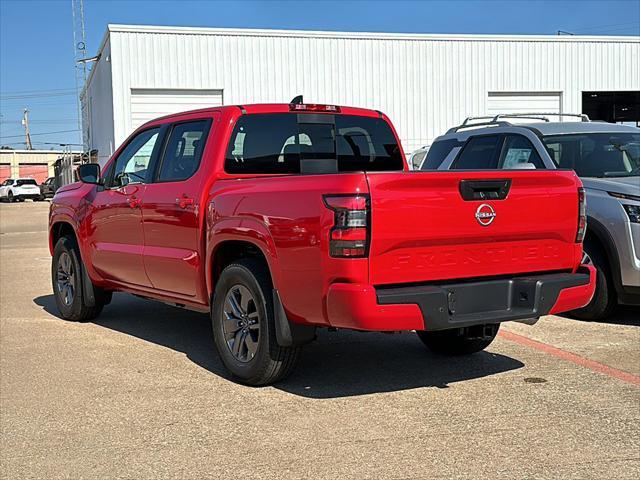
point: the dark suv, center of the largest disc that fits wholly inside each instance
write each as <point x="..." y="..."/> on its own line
<point x="48" y="188"/>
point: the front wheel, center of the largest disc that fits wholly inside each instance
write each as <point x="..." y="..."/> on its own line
<point x="10" y="197"/>
<point x="460" y="341"/>
<point x="242" y="315"/>
<point x="66" y="277"/>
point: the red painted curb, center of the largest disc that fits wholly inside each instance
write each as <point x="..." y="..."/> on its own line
<point x="572" y="357"/>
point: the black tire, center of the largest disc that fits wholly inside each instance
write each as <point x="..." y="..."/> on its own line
<point x="10" y="197"/>
<point x="73" y="308"/>
<point x="460" y="341"/>
<point x="269" y="362"/>
<point x="604" y="300"/>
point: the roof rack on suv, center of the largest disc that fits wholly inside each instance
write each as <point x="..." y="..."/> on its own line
<point x="498" y="119"/>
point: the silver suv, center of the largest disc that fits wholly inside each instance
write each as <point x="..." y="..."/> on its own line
<point x="605" y="156"/>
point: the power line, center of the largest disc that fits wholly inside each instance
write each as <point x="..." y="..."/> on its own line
<point x="44" y="133"/>
<point x="599" y="27"/>
<point x="44" y="90"/>
<point x="36" y="95"/>
<point x="52" y="121"/>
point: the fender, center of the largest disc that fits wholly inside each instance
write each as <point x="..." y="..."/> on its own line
<point x="241" y="229"/>
<point x="61" y="214"/>
<point x="66" y="214"/>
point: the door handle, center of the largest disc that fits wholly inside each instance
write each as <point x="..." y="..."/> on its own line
<point x="184" y="201"/>
<point x="133" y="201"/>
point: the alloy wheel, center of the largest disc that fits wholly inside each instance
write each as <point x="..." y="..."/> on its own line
<point x="65" y="276"/>
<point x="241" y="323"/>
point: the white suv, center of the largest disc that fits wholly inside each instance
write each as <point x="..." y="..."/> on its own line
<point x="18" y="189"/>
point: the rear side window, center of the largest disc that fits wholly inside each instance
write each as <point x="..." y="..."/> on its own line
<point x="278" y="143"/>
<point x="183" y="151"/>
<point x="479" y="153"/>
<point x="519" y="153"/>
<point x="438" y="152"/>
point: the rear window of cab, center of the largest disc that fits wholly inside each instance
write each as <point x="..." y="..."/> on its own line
<point x="289" y="143"/>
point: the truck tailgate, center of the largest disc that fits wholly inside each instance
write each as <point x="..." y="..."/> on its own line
<point x="423" y="230"/>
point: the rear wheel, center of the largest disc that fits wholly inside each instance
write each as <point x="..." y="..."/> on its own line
<point x="244" y="327"/>
<point x="604" y="299"/>
<point x="66" y="277"/>
<point x="460" y="341"/>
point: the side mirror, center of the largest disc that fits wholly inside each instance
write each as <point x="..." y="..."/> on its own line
<point x="89" y="173"/>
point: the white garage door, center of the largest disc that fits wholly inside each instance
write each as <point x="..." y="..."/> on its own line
<point x="147" y="104"/>
<point x="524" y="102"/>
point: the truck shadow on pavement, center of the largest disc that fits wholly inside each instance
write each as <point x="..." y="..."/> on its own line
<point x="623" y="315"/>
<point x="337" y="364"/>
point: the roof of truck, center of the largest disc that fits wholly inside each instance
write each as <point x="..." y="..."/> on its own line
<point x="277" y="108"/>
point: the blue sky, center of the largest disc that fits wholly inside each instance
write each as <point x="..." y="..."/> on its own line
<point x="36" y="43"/>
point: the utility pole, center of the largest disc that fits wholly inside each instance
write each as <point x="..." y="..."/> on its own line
<point x="25" y="124"/>
<point x="80" y="55"/>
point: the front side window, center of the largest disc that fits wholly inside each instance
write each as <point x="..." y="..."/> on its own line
<point x="7" y="183"/>
<point x="183" y="152"/>
<point x="519" y="153"/>
<point x="479" y="153"/>
<point x="596" y="154"/>
<point x="278" y="143"/>
<point x="132" y="165"/>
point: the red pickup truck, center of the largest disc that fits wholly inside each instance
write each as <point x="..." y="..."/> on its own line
<point x="279" y="219"/>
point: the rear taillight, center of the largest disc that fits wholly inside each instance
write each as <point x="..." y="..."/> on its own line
<point x="349" y="236"/>
<point x="582" y="215"/>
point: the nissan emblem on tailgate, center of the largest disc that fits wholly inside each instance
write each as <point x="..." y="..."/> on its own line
<point x="485" y="214"/>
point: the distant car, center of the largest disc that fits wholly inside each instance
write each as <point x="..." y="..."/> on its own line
<point x="48" y="188"/>
<point x="417" y="157"/>
<point x="605" y="156"/>
<point x="18" y="189"/>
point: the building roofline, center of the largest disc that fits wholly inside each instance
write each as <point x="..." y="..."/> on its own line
<point x="363" y="35"/>
<point x="252" y="32"/>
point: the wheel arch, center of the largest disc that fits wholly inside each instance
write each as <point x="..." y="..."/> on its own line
<point x="58" y="229"/>
<point x="229" y="250"/>
<point x="598" y="235"/>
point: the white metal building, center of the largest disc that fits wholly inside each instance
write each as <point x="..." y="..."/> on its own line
<point x="425" y="83"/>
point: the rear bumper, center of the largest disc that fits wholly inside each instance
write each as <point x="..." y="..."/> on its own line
<point x="440" y="307"/>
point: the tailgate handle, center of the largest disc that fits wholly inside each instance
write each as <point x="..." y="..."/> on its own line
<point x="484" y="189"/>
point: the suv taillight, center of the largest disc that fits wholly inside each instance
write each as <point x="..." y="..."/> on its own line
<point x="582" y="215"/>
<point x="349" y="236"/>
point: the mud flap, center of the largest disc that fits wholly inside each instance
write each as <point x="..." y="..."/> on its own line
<point x="88" y="292"/>
<point x="289" y="334"/>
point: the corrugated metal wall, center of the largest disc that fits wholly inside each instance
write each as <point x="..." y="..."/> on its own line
<point x="426" y="84"/>
<point x="98" y="121"/>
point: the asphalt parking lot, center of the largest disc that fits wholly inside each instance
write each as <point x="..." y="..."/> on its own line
<point x="140" y="393"/>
